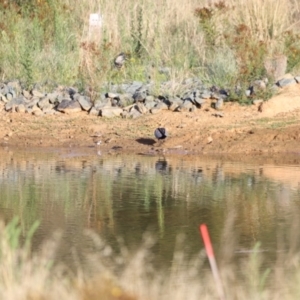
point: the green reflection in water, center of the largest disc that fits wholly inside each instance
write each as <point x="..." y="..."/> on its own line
<point x="124" y="196"/>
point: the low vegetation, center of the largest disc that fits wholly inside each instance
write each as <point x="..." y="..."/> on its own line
<point x="27" y="274"/>
<point x="226" y="43"/>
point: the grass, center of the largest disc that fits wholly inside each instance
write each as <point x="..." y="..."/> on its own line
<point x="132" y="275"/>
<point x="222" y="43"/>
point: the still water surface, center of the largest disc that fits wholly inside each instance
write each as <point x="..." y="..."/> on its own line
<point x="126" y="196"/>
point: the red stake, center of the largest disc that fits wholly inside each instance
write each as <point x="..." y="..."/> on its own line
<point x="212" y="260"/>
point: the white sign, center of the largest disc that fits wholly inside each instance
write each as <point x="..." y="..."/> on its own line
<point x="95" y="20"/>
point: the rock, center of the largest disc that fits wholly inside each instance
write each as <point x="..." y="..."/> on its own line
<point x="14" y="103"/>
<point x="15" y="86"/>
<point x="200" y="101"/>
<point x="159" y="107"/>
<point x="125" y="99"/>
<point x="134" y="113"/>
<point x="286" y="81"/>
<point x="102" y="104"/>
<point x="37" y="93"/>
<point x="141" y="108"/>
<point x="110" y="112"/>
<point x="94" y="112"/>
<point x="53" y="97"/>
<point x="187" y="105"/>
<point x="3" y="98"/>
<point x="21" y="108"/>
<point x="150" y="104"/>
<point x="131" y="89"/>
<point x="26" y="94"/>
<point x="205" y="94"/>
<point x="68" y="107"/>
<point x="149" y="98"/>
<point x="140" y="95"/>
<point x="112" y="95"/>
<point x="297" y="78"/>
<point x="44" y="104"/>
<point x="219" y="104"/>
<point x="85" y="103"/>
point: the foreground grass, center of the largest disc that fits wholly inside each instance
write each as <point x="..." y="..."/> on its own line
<point x="224" y="43"/>
<point x="130" y="276"/>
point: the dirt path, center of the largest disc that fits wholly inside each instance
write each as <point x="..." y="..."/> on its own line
<point x="243" y="130"/>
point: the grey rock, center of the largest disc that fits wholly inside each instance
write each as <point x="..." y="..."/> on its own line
<point x="37" y="93"/>
<point x="44" y="104"/>
<point x="53" y="97"/>
<point x="206" y="94"/>
<point x="200" y="101"/>
<point x="9" y="96"/>
<point x="125" y="99"/>
<point x="110" y="112"/>
<point x="60" y="97"/>
<point x="219" y="104"/>
<point x="141" y="108"/>
<point x="134" y="113"/>
<point x="159" y="107"/>
<point x="15" y="86"/>
<point x="3" y="98"/>
<point x="150" y="104"/>
<point x="94" y="112"/>
<point x="149" y="98"/>
<point x="185" y="106"/>
<point x="85" y="103"/>
<point x="102" y="104"/>
<point x="14" y="103"/>
<point x="175" y="103"/>
<point x="285" y="82"/>
<point x="297" y="78"/>
<point x="131" y="89"/>
<point x="3" y="89"/>
<point x="140" y="95"/>
<point x="26" y="94"/>
<point x="68" y="107"/>
<point x="21" y="108"/>
<point x="112" y="95"/>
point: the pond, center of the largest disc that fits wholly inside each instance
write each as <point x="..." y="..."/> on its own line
<point x="122" y="197"/>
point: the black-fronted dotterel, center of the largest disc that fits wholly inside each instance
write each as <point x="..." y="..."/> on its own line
<point x="160" y="133"/>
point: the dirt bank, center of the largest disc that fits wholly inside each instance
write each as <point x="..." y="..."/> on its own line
<point x="242" y="129"/>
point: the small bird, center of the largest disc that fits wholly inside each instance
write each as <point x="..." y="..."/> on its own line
<point x="120" y="60"/>
<point x="160" y="133"/>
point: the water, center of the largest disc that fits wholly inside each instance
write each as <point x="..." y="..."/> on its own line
<point x="125" y="196"/>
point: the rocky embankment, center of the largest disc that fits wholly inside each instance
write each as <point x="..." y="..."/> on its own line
<point x="130" y="100"/>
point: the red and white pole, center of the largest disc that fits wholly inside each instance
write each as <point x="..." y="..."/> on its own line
<point x="212" y="261"/>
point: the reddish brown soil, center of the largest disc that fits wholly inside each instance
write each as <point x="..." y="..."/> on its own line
<point x="242" y="130"/>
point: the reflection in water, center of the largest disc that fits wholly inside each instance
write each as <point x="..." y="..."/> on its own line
<point x="121" y="196"/>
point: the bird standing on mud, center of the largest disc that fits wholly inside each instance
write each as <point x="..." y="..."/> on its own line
<point x="160" y="133"/>
<point x="120" y="60"/>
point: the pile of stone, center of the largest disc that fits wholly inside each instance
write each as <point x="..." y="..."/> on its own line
<point x="130" y="100"/>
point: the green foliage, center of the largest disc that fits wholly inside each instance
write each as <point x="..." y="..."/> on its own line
<point x="13" y="234"/>
<point x="292" y="49"/>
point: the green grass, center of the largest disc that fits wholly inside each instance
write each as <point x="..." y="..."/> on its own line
<point x="49" y="41"/>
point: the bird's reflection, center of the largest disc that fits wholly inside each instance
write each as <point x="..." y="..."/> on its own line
<point x="161" y="166"/>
